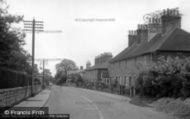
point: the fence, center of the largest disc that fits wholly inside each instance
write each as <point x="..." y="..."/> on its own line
<point x="10" y="78"/>
<point x="15" y="86"/>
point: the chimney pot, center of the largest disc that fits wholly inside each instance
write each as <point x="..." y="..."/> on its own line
<point x="170" y="20"/>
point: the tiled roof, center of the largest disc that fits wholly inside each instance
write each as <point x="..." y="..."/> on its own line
<point x="176" y="40"/>
<point x="99" y="66"/>
<point x="74" y="71"/>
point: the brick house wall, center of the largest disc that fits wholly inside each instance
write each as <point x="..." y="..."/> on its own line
<point x="125" y="69"/>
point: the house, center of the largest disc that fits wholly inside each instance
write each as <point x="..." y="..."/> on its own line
<point x="162" y="36"/>
<point x="99" y="72"/>
<point x="75" y="72"/>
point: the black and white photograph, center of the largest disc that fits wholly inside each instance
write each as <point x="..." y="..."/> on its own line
<point x="95" y="59"/>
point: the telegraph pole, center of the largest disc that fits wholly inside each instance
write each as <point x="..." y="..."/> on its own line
<point x="33" y="54"/>
<point x="43" y="62"/>
<point x="33" y="26"/>
<point x="36" y="27"/>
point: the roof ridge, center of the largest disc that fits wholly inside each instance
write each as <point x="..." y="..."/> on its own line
<point x="157" y="43"/>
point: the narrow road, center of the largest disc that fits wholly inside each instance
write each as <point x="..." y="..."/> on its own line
<point x="88" y="104"/>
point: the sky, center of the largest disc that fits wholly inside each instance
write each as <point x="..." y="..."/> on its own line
<point x="89" y="27"/>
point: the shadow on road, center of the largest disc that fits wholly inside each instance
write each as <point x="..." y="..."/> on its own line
<point x="140" y="102"/>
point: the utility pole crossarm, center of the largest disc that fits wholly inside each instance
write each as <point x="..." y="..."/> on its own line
<point x="44" y="63"/>
<point x="36" y="27"/>
<point x="39" y="26"/>
<point x="33" y="26"/>
<point x="49" y="59"/>
<point x="52" y="31"/>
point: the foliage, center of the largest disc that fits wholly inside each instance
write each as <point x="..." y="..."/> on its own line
<point x="12" y="54"/>
<point x="166" y="78"/>
<point x="13" y="58"/>
<point x="76" y="79"/>
<point x="62" y="80"/>
<point x="47" y="76"/>
<point x="63" y="68"/>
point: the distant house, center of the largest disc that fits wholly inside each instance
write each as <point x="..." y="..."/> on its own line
<point x="160" y="37"/>
<point x="99" y="72"/>
<point x="76" y="71"/>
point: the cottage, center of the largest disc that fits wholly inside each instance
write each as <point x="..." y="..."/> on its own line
<point x="99" y="72"/>
<point x="162" y="36"/>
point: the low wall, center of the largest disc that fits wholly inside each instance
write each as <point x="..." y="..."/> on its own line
<point x="11" y="96"/>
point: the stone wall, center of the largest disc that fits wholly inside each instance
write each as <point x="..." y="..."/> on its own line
<point x="11" y="96"/>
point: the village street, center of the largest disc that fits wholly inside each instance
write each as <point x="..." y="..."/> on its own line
<point x="88" y="104"/>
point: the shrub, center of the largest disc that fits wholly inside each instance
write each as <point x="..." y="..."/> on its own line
<point x="166" y="78"/>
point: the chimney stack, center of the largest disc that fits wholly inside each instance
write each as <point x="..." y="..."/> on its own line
<point x="102" y="58"/>
<point x="142" y="33"/>
<point x="154" y="27"/>
<point x="132" y="37"/>
<point x="171" y="19"/>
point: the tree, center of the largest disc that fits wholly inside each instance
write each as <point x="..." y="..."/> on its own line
<point x="47" y="76"/>
<point x="76" y="79"/>
<point x="14" y="65"/>
<point x="47" y="73"/>
<point x="12" y="54"/>
<point x="62" y="69"/>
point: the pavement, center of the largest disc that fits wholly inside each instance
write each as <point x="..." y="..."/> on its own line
<point x="38" y="100"/>
<point x="88" y="104"/>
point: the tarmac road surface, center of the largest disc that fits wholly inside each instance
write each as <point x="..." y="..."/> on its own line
<point x="88" y="104"/>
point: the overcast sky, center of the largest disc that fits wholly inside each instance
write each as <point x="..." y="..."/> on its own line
<point x="83" y="40"/>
